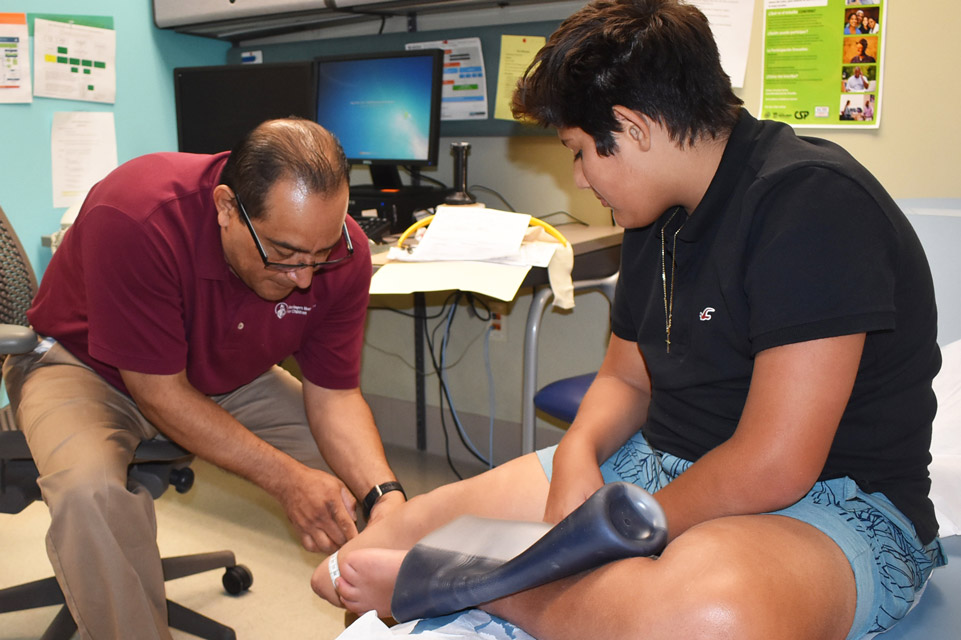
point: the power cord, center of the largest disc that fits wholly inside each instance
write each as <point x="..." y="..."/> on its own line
<point x="564" y="213"/>
<point x="439" y="361"/>
<point x="422" y="176"/>
<point x="478" y="187"/>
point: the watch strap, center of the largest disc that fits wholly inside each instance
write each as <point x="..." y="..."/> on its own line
<point x="374" y="494"/>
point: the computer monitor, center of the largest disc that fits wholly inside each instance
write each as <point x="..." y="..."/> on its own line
<point x="384" y="108"/>
<point x="218" y="105"/>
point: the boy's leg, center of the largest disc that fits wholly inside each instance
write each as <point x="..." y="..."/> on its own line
<point x="808" y="571"/>
<point x="742" y="577"/>
<point x="516" y="490"/>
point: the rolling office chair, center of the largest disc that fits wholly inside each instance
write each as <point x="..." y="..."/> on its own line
<point x="559" y="399"/>
<point x="157" y="464"/>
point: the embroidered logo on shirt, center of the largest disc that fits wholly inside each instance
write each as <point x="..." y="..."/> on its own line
<point x="282" y="309"/>
<point x="706" y="314"/>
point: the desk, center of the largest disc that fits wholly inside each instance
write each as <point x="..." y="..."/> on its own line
<point x="597" y="254"/>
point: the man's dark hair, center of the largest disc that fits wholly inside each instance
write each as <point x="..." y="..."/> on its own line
<point x="656" y="57"/>
<point x="289" y="148"/>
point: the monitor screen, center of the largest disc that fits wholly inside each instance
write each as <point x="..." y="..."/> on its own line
<point x="384" y="108"/>
<point x="216" y="106"/>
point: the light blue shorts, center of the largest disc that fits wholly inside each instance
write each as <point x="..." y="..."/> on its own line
<point x="890" y="564"/>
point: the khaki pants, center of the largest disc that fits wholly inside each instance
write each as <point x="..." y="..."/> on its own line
<point x="82" y="434"/>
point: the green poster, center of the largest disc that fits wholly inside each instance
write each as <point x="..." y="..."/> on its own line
<point x="823" y="62"/>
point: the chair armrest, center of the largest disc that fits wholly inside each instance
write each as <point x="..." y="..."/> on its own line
<point x="15" y="339"/>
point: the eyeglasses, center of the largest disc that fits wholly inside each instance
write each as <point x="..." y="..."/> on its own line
<point x="288" y="266"/>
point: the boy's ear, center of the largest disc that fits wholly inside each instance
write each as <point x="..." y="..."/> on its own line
<point x="635" y="126"/>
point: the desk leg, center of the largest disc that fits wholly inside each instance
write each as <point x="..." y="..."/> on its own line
<point x="529" y="385"/>
<point x="420" y="330"/>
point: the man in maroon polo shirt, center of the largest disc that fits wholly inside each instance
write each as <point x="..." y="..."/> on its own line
<point x="184" y="281"/>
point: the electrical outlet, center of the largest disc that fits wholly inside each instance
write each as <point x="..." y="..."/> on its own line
<point x="498" y="321"/>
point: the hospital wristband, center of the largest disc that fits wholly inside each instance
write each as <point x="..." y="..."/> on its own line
<point x="333" y="568"/>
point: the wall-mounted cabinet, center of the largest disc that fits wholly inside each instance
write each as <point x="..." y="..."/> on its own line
<point x="237" y="20"/>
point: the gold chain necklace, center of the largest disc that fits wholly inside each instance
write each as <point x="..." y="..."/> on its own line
<point x="669" y="298"/>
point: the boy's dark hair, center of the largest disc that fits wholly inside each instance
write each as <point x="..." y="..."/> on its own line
<point x="656" y="57"/>
<point x="286" y="148"/>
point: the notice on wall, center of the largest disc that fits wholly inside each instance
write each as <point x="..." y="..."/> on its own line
<point x="823" y="62"/>
<point x="517" y="53"/>
<point x="14" y="58"/>
<point x="731" y="25"/>
<point x="74" y="61"/>
<point x="83" y="149"/>
<point x="464" y="94"/>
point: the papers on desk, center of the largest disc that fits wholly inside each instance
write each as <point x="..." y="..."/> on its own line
<point x="468" y="249"/>
<point x="469" y="233"/>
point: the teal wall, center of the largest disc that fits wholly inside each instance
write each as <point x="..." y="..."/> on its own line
<point x="144" y="114"/>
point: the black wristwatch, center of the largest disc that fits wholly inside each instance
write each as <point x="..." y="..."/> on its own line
<point x="374" y="495"/>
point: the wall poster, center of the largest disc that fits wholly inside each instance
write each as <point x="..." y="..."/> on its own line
<point x="823" y="62"/>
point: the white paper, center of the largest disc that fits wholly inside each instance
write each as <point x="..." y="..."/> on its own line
<point x="14" y="61"/>
<point x="464" y="94"/>
<point x="471" y="233"/>
<point x="731" y="24"/>
<point x="83" y="149"/>
<point x="499" y="281"/>
<point x="74" y="62"/>
<point x="534" y="254"/>
<point x="530" y="254"/>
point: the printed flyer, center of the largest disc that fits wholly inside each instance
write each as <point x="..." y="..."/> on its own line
<point x="823" y="62"/>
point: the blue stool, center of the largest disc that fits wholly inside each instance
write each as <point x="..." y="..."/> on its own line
<point x="561" y="399"/>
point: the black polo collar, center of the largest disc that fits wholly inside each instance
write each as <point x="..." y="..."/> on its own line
<point x="729" y="172"/>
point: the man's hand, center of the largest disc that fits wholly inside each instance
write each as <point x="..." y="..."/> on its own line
<point x="321" y="509"/>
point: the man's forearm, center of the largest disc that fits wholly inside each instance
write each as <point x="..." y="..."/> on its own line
<point x="344" y="429"/>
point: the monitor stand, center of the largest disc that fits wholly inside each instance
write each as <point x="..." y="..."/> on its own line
<point x="387" y="197"/>
<point x="385" y="176"/>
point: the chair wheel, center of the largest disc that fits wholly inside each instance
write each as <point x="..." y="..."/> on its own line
<point x="182" y="479"/>
<point x="237" y="579"/>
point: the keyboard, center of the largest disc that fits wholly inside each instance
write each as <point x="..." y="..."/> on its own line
<point x="374" y="228"/>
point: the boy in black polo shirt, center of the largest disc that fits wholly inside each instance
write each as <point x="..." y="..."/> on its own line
<point x="769" y="376"/>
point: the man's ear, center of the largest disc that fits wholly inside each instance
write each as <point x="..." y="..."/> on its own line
<point x="224" y="202"/>
<point x="635" y="126"/>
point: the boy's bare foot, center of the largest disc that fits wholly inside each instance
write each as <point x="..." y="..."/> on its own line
<point x="323" y="585"/>
<point x="366" y="580"/>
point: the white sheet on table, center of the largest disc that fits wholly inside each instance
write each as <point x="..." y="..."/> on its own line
<point x="946" y="443"/>
<point x="472" y="624"/>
